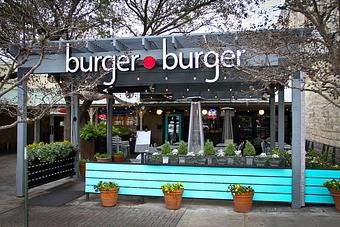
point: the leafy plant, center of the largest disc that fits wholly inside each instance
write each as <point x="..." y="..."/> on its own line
<point x="83" y="161"/>
<point x="99" y="155"/>
<point x="249" y="149"/>
<point x="88" y="132"/>
<point x="332" y="184"/>
<point x="119" y="153"/>
<point x="209" y="148"/>
<point x="230" y="150"/>
<point x="50" y="152"/>
<point x="316" y="160"/>
<point x="119" y="130"/>
<point x="105" y="186"/>
<point x="101" y="130"/>
<point x="165" y="149"/>
<point x="183" y="148"/>
<point x="167" y="188"/>
<point x="238" y="189"/>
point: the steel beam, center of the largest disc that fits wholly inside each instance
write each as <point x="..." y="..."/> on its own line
<point x="21" y="134"/>
<point x="281" y="110"/>
<point x="298" y="142"/>
<point x="109" y="111"/>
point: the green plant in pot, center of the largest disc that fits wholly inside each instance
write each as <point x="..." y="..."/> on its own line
<point x="230" y="154"/>
<point x="182" y="152"/>
<point x="82" y="165"/>
<point x="166" y="152"/>
<point x="261" y="160"/>
<point x="249" y="152"/>
<point x="173" y="195"/>
<point x="209" y="151"/>
<point x="275" y="158"/>
<point x="118" y="156"/>
<point x="108" y="193"/>
<point x="103" y="157"/>
<point x="334" y="188"/>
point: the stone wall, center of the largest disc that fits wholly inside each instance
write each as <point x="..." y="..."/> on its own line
<point x="322" y="120"/>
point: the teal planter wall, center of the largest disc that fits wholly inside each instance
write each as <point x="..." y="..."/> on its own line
<point x="315" y="191"/>
<point x="199" y="182"/>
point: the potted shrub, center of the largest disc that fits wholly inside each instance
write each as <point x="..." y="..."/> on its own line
<point x="243" y="197"/>
<point x="261" y="160"/>
<point x="82" y="164"/>
<point x="103" y="157"/>
<point x="166" y="152"/>
<point x="173" y="195"/>
<point x="334" y="188"/>
<point x="155" y="158"/>
<point x="182" y="152"/>
<point x="199" y="158"/>
<point x="173" y="157"/>
<point x="108" y="193"/>
<point x="118" y="156"/>
<point x="209" y="151"/>
<point x="249" y="152"/>
<point x="220" y="157"/>
<point x="229" y="152"/>
<point x="87" y="143"/>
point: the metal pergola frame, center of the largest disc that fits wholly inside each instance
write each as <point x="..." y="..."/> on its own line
<point x="54" y="63"/>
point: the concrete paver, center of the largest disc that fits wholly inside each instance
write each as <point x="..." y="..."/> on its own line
<point x="132" y="211"/>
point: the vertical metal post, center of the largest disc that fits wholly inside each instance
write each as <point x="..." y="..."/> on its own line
<point x="298" y="142"/>
<point x="51" y="128"/>
<point x="281" y="128"/>
<point x="37" y="131"/>
<point x="21" y="167"/>
<point x="75" y="130"/>
<point x="109" y="111"/>
<point x="21" y="134"/>
<point x="272" y="119"/>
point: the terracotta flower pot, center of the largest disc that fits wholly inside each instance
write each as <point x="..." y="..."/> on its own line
<point x="243" y="203"/>
<point x="82" y="170"/>
<point x="118" y="158"/>
<point x="336" y="198"/>
<point x="104" y="159"/>
<point x="109" y="198"/>
<point x="173" y="200"/>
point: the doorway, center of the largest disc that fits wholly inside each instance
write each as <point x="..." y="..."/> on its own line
<point x="173" y="127"/>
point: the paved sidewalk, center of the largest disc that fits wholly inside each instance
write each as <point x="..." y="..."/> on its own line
<point x="132" y="212"/>
<point x="56" y="206"/>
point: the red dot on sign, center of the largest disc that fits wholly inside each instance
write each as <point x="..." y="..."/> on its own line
<point x="149" y="62"/>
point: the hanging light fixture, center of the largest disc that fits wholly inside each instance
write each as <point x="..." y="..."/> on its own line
<point x="204" y="112"/>
<point x="261" y="112"/>
<point x="159" y="112"/>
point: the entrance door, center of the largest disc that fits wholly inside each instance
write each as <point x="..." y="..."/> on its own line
<point x="173" y="127"/>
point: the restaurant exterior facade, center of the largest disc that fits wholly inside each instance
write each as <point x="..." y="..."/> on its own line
<point x="172" y="64"/>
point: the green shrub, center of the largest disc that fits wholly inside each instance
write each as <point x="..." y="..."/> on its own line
<point x="249" y="149"/>
<point x="105" y="186"/>
<point x="88" y="132"/>
<point x="101" y="130"/>
<point x="49" y="152"/>
<point x="104" y="155"/>
<point x="209" y="148"/>
<point x="230" y="150"/>
<point x="166" y="150"/>
<point x="119" y="130"/>
<point x="183" y="148"/>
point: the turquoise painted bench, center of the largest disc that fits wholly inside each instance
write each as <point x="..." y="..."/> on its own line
<point x="315" y="192"/>
<point x="199" y="182"/>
